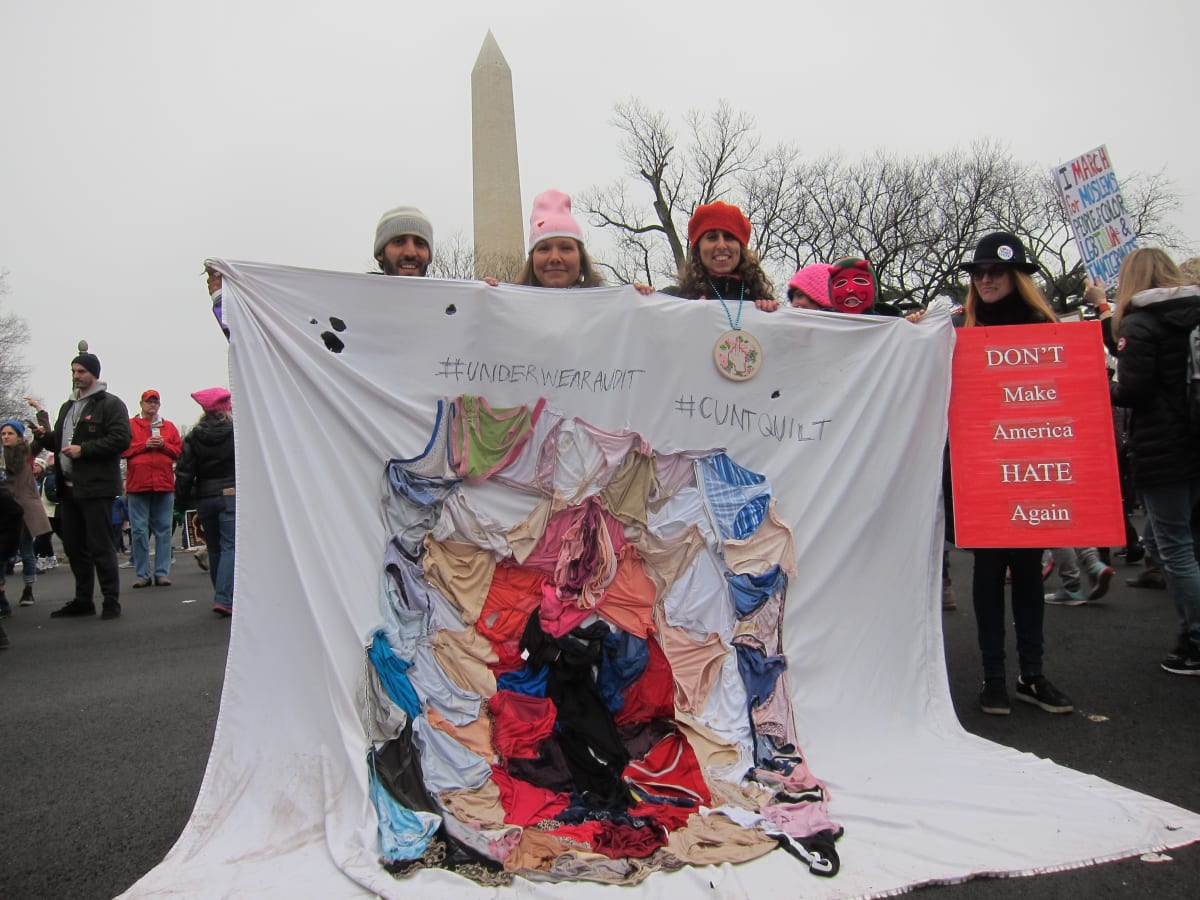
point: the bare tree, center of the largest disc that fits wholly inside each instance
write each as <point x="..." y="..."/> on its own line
<point x="455" y="258"/>
<point x="916" y="218"/>
<point x="1152" y="199"/>
<point x="14" y="335"/>
<point x="722" y="149"/>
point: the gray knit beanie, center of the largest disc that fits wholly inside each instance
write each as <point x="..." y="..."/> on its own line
<point x="401" y="221"/>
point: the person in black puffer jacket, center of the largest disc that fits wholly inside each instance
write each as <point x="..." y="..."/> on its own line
<point x="205" y="476"/>
<point x="1157" y="309"/>
<point x="1003" y="293"/>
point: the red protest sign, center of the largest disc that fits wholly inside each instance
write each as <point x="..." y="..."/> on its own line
<point x="1032" y="451"/>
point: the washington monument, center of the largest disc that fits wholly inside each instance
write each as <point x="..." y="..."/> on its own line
<point x="497" y="182"/>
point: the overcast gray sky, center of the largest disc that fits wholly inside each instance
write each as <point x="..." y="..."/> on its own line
<point x="141" y="136"/>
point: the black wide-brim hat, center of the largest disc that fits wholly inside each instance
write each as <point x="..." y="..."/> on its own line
<point x="1001" y="248"/>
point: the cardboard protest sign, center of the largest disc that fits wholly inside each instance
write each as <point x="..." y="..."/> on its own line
<point x="1031" y="439"/>
<point x="1104" y="231"/>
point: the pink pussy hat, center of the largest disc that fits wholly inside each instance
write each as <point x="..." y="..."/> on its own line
<point x="214" y="400"/>
<point x="814" y="281"/>
<point x="551" y="217"/>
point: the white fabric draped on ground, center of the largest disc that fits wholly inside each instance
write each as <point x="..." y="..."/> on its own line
<point x="847" y="420"/>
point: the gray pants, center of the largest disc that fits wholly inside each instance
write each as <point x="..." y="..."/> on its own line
<point x="1071" y="561"/>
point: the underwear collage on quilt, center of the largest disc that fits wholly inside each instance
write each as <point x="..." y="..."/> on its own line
<point x="579" y="672"/>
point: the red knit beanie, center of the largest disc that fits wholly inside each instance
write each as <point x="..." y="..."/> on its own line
<point x="718" y="216"/>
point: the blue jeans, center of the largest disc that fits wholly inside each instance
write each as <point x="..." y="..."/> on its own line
<point x="217" y="516"/>
<point x="1171" y="508"/>
<point x="150" y="513"/>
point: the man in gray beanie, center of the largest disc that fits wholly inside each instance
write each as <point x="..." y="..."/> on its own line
<point x="88" y="439"/>
<point x="404" y="242"/>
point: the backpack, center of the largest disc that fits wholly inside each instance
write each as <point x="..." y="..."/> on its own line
<point x="50" y="486"/>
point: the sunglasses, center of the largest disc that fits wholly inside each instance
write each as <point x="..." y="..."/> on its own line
<point x="993" y="272"/>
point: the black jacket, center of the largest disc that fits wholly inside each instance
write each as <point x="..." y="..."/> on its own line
<point x="1151" y="374"/>
<point x="102" y="434"/>
<point x="205" y="469"/>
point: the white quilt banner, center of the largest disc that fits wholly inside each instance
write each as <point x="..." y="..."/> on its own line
<point x="333" y="374"/>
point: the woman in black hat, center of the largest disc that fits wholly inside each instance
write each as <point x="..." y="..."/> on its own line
<point x="1002" y="293"/>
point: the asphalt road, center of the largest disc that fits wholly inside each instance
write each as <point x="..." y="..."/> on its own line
<point x="105" y="728"/>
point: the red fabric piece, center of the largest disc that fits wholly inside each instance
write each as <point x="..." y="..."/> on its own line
<point x="510" y="659"/>
<point x="584" y="832"/>
<point x="524" y="804"/>
<point x="153" y="468"/>
<point x="515" y="592"/>
<point x="668" y="816"/>
<point x="520" y="723"/>
<point x="652" y="696"/>
<point x="621" y="841"/>
<point x="670" y="770"/>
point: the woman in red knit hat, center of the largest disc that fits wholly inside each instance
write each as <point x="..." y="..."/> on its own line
<point x="720" y="265"/>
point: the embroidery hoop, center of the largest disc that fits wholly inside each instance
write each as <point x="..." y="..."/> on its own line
<point x="737" y="354"/>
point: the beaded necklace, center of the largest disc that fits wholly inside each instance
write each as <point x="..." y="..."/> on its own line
<point x="737" y="354"/>
<point x="735" y="325"/>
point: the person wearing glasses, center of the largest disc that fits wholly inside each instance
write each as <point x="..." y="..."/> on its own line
<point x="1002" y="292"/>
<point x="150" y="489"/>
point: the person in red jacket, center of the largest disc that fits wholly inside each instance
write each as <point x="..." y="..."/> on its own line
<point x="150" y="489"/>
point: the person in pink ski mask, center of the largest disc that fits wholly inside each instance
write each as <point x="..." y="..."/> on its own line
<point x="851" y="285"/>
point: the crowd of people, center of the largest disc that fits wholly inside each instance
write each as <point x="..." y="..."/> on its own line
<point x="86" y="474"/>
<point x="1150" y="334"/>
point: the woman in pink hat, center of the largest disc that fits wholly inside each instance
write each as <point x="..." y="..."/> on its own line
<point x="205" y="476"/>
<point x="557" y="257"/>
<point x="809" y="287"/>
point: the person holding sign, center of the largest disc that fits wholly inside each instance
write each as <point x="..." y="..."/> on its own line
<point x="1002" y="292"/>
<point x="719" y="265"/>
<point x="557" y="256"/>
<point x="1157" y="310"/>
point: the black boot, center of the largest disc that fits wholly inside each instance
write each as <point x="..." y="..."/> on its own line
<point x="75" y="609"/>
<point x="5" y="609"/>
<point x="27" y="596"/>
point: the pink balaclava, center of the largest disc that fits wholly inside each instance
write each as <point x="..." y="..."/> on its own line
<point x="852" y="285"/>
<point x="551" y="217"/>
<point x="813" y="281"/>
